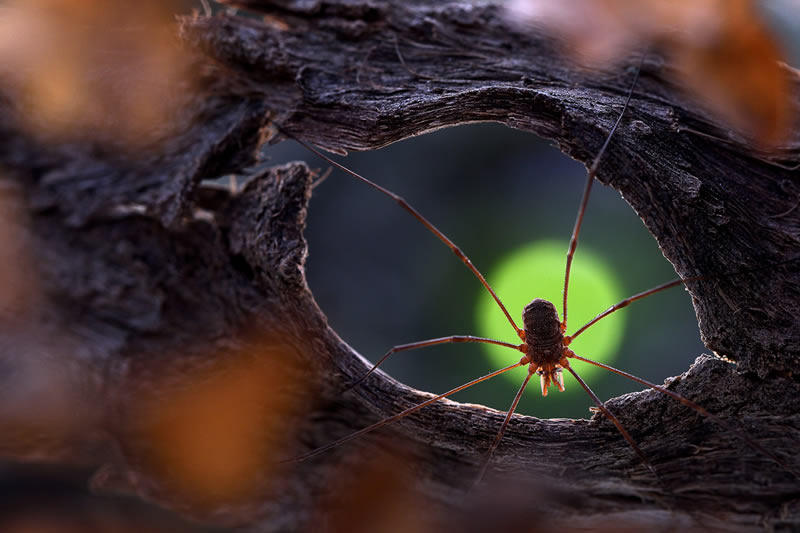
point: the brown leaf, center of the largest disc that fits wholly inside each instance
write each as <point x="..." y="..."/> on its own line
<point x="738" y="76"/>
<point x="94" y="67"/>
<point x="214" y="434"/>
<point x="725" y="56"/>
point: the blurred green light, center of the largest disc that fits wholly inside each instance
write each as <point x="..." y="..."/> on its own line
<point x="537" y="271"/>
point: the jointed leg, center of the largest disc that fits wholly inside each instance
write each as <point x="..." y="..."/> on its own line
<point x="400" y="415"/>
<point x="573" y="241"/>
<point x="691" y="405"/>
<point x="624" y="303"/>
<point x="600" y="405"/>
<point x="573" y="244"/>
<point x="502" y="431"/>
<point x="424" y="221"/>
<point x="432" y="342"/>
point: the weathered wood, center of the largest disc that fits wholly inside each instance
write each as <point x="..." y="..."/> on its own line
<point x="146" y="287"/>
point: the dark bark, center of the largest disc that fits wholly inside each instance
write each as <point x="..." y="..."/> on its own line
<point x="146" y="274"/>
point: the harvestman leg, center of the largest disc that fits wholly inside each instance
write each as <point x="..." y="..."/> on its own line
<point x="599" y="403"/>
<point x="688" y="403"/>
<point x="626" y="302"/>
<point x="685" y="401"/>
<point x="425" y="344"/>
<point x="573" y="244"/>
<point x="570" y="254"/>
<point x="573" y="241"/>
<point x="400" y="415"/>
<point x="424" y="221"/>
<point x="487" y="457"/>
<point x="608" y="414"/>
<point x="461" y="256"/>
<point x="522" y="348"/>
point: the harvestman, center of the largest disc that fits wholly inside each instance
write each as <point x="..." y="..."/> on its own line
<point x="544" y="344"/>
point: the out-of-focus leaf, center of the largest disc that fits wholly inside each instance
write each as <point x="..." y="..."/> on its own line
<point x="93" y="68"/>
<point x="724" y="54"/>
<point x="213" y="435"/>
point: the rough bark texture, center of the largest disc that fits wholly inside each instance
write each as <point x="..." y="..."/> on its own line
<point x="146" y="273"/>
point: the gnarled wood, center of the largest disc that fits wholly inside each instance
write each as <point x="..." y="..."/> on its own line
<point x="141" y="286"/>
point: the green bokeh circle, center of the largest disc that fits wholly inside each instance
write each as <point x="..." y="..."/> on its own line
<point x="537" y="271"/>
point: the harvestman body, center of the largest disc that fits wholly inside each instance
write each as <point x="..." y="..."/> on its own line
<point x="544" y="346"/>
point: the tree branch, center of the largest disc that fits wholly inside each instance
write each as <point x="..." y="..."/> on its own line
<point x="148" y="275"/>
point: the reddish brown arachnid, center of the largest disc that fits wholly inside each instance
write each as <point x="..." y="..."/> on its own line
<point x="544" y="344"/>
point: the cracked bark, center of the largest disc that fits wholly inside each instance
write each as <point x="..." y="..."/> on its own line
<point x="147" y="273"/>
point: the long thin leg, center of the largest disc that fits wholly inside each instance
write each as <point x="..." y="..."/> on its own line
<point x="502" y="431"/>
<point x="431" y="342"/>
<point x="689" y="403"/>
<point x="424" y="221"/>
<point x="659" y="288"/>
<point x="573" y="241"/>
<point x="400" y="415"/>
<point x="573" y="244"/>
<point x="624" y="432"/>
<point x="624" y="303"/>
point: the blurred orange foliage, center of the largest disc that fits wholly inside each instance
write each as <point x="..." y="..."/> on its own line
<point x="214" y="434"/>
<point x="94" y="67"/>
<point x="723" y="53"/>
